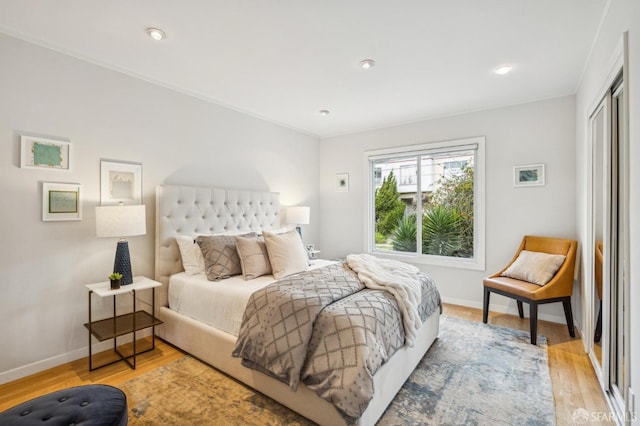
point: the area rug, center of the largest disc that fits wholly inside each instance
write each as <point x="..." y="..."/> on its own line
<point x="474" y="374"/>
<point x="477" y="374"/>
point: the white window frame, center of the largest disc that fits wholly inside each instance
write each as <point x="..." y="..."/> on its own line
<point x="475" y="263"/>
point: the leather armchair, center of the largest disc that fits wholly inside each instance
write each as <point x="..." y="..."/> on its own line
<point x="558" y="289"/>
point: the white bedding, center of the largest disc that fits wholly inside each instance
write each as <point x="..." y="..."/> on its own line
<point x="219" y="304"/>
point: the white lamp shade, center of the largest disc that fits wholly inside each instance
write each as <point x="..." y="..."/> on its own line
<point x="298" y="215"/>
<point x="120" y="221"/>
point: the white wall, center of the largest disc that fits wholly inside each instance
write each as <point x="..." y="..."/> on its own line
<point x="540" y="132"/>
<point x="623" y="15"/>
<point x="178" y="139"/>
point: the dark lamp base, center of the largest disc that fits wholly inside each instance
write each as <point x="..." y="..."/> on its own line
<point x="122" y="263"/>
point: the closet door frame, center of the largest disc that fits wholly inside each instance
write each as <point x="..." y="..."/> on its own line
<point x="615" y="208"/>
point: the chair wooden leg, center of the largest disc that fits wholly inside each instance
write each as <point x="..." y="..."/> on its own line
<point x="520" y="310"/>
<point x="566" y="304"/>
<point x="485" y="305"/>
<point x="533" y="321"/>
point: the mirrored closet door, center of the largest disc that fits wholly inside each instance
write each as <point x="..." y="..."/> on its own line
<point x="608" y="287"/>
<point x="618" y="239"/>
<point x="599" y="131"/>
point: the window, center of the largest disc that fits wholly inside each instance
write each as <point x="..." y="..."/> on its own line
<point x="437" y="188"/>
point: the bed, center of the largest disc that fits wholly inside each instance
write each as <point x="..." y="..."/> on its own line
<point x="187" y="210"/>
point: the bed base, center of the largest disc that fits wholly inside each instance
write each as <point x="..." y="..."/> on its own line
<point x="214" y="347"/>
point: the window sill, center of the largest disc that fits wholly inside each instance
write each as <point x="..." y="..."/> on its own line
<point x="449" y="262"/>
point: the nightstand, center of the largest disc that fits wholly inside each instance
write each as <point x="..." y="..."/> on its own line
<point x="120" y="325"/>
<point x="312" y="253"/>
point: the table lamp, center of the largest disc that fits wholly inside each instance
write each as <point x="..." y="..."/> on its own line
<point x="121" y="221"/>
<point x="298" y="215"/>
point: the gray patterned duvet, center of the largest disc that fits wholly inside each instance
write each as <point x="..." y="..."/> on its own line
<point x="325" y="328"/>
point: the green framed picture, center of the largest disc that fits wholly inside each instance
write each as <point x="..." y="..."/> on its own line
<point x="40" y="153"/>
<point x="530" y="175"/>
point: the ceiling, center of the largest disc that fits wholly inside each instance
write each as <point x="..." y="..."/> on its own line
<point x="285" y="60"/>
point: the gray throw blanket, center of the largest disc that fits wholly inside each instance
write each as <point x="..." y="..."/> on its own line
<point x="325" y="328"/>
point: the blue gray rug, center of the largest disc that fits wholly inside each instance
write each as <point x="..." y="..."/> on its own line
<point x="477" y="374"/>
<point x="474" y="374"/>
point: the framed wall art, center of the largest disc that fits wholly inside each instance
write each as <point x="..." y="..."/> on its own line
<point x="120" y="182"/>
<point x="342" y="182"/>
<point x="61" y="201"/>
<point x="40" y="153"/>
<point x="531" y="175"/>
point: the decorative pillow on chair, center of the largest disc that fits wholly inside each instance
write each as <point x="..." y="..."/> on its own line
<point x="534" y="267"/>
<point x="287" y="254"/>
<point x="192" y="259"/>
<point x="253" y="257"/>
<point x="220" y="256"/>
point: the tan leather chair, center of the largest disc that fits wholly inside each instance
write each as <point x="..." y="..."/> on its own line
<point x="558" y="289"/>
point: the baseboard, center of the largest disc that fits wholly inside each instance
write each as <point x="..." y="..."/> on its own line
<point x="45" y="364"/>
<point x="503" y="309"/>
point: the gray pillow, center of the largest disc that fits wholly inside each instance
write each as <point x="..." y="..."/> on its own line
<point x="253" y="257"/>
<point x="220" y="256"/>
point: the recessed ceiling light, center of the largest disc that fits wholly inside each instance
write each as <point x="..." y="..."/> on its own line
<point x="324" y="112"/>
<point x="365" y="64"/>
<point x="156" y="34"/>
<point x="503" y="69"/>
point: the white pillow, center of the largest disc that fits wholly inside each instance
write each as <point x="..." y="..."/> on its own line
<point x="287" y="254"/>
<point x="534" y="267"/>
<point x="191" y="254"/>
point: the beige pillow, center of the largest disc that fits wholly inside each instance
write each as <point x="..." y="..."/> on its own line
<point x="286" y="253"/>
<point x="220" y="256"/>
<point x="534" y="267"/>
<point x="192" y="259"/>
<point x="253" y="257"/>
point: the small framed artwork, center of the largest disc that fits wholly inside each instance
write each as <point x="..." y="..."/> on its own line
<point x="120" y="182"/>
<point x="531" y="175"/>
<point x="342" y="182"/>
<point x="61" y="201"/>
<point x="40" y="153"/>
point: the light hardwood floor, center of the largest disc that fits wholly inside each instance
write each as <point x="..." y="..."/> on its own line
<point x="574" y="381"/>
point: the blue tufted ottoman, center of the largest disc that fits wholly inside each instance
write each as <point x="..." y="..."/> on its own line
<point x="91" y="405"/>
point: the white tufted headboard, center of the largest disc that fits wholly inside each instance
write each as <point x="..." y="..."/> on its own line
<point x="198" y="210"/>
